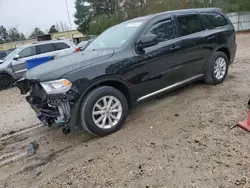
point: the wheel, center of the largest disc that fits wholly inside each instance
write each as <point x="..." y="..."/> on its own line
<point x="66" y="130"/>
<point x="217" y="69"/>
<point x="6" y="81"/>
<point x="103" y="111"/>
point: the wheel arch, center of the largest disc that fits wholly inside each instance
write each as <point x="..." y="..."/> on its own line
<point x="117" y="83"/>
<point x="226" y="51"/>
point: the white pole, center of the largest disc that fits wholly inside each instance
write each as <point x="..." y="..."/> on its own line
<point x="70" y="26"/>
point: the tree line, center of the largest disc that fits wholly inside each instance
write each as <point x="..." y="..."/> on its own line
<point x="94" y="16"/>
<point x="13" y="34"/>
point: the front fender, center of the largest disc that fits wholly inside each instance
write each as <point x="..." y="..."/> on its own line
<point x="88" y="87"/>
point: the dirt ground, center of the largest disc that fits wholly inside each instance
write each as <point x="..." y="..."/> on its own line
<point x="184" y="139"/>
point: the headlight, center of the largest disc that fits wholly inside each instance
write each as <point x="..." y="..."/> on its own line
<point x="56" y="86"/>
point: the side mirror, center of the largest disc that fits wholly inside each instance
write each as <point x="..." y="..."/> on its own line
<point x="147" y="41"/>
<point x="16" y="57"/>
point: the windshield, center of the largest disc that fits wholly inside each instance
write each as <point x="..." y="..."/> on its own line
<point x="115" y="37"/>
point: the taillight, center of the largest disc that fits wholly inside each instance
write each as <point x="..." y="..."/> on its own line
<point x="78" y="49"/>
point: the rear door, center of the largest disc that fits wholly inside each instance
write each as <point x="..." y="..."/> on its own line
<point x="195" y="39"/>
<point x="45" y="50"/>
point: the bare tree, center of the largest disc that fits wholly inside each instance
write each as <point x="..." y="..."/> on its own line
<point x="62" y="26"/>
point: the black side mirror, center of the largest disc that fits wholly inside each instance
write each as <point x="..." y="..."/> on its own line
<point x="147" y="41"/>
<point x="16" y="57"/>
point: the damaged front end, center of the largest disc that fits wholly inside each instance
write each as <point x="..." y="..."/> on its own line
<point x="51" y="101"/>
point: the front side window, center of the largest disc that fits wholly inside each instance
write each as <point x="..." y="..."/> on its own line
<point x="45" y="48"/>
<point x="61" y="46"/>
<point x="27" y="52"/>
<point x="163" y="30"/>
<point x="190" y="24"/>
<point x="216" y="19"/>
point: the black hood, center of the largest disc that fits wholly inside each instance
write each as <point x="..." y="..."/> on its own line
<point x="55" y="69"/>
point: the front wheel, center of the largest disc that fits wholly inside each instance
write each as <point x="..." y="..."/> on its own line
<point x="103" y="111"/>
<point x="217" y="69"/>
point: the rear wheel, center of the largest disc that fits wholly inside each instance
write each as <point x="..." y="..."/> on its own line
<point x="217" y="69"/>
<point x="103" y="111"/>
<point x="6" y="81"/>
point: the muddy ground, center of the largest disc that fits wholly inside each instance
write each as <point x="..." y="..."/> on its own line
<point x="186" y="139"/>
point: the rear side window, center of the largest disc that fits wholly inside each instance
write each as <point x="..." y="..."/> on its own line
<point x="27" y="52"/>
<point x="45" y="48"/>
<point x="61" y="46"/>
<point x="216" y="19"/>
<point x="163" y="30"/>
<point x="190" y="24"/>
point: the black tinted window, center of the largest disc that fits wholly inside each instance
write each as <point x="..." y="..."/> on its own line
<point x="30" y="51"/>
<point x="163" y="30"/>
<point x="61" y="46"/>
<point x="216" y="19"/>
<point x="45" y="48"/>
<point x="190" y="24"/>
<point x="2" y="55"/>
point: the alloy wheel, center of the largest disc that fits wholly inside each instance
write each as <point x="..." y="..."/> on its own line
<point x="220" y="67"/>
<point x="107" y="112"/>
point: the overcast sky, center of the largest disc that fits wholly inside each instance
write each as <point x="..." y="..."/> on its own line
<point x="28" y="14"/>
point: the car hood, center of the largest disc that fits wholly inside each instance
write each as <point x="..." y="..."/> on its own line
<point x="55" y="69"/>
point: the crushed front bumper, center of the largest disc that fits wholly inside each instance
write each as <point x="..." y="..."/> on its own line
<point x="54" y="110"/>
<point x="50" y="109"/>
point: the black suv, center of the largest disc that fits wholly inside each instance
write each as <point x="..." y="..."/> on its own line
<point x="130" y="62"/>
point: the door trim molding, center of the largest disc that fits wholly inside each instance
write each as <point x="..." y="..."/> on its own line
<point x="171" y="87"/>
<point x="23" y="70"/>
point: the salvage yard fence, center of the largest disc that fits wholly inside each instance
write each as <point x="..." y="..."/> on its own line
<point x="241" y="21"/>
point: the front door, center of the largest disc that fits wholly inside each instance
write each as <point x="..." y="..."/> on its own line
<point x="19" y="65"/>
<point x="160" y="64"/>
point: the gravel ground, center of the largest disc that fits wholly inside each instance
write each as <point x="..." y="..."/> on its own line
<point x="186" y="139"/>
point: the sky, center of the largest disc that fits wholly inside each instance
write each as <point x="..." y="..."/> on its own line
<point x="28" y="14"/>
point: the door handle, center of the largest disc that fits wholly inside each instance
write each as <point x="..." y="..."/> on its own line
<point x="175" y="48"/>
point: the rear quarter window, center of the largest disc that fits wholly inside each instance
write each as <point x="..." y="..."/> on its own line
<point x="216" y="19"/>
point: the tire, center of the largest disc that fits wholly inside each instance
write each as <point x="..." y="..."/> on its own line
<point x="6" y="81"/>
<point x="211" y="77"/>
<point x="89" y="105"/>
